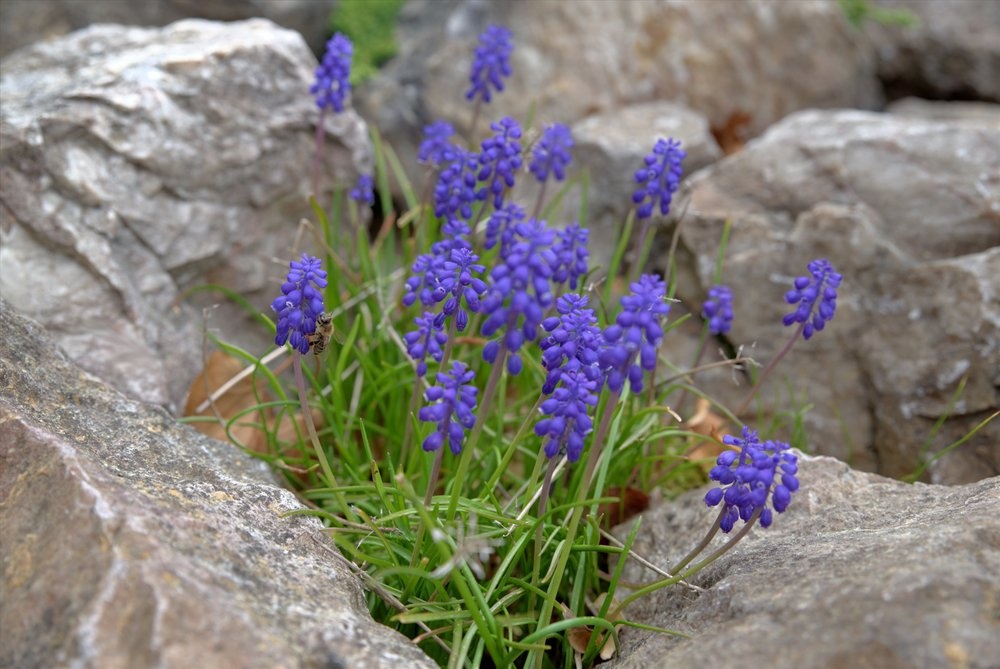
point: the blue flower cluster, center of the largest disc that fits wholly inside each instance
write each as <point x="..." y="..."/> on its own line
<point x="659" y="179"/>
<point x="718" y="309"/>
<point x="300" y="303"/>
<point x="757" y="473"/>
<point x="364" y="191"/>
<point x="499" y="160"/>
<point x="573" y="342"/>
<point x="571" y="255"/>
<point x="460" y="283"/>
<point x="436" y="146"/>
<point x="636" y="334"/>
<point x="568" y="423"/>
<point x="332" y="85"/>
<point x="490" y="63"/>
<point x="453" y="401"/>
<point x="552" y="153"/>
<point x="822" y="287"/>
<point x="428" y="339"/>
<point x="500" y="227"/>
<point x="456" y="185"/>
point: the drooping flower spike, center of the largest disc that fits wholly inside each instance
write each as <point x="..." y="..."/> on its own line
<point x="300" y="303"/>
<point x="630" y="344"/>
<point x="568" y="409"/>
<point x="573" y="342"/>
<point x="750" y="478"/>
<point x="659" y="179"/>
<point x="552" y="153"/>
<point x="332" y="85"/>
<point x="490" y="63"/>
<point x="452" y="406"/>
<point x="821" y="288"/>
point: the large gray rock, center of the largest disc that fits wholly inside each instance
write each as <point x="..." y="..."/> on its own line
<point x="137" y="163"/>
<point x="860" y="571"/>
<point x="766" y="58"/>
<point x="23" y="22"/>
<point x="127" y="540"/>
<point x="953" y="52"/>
<point x="908" y="210"/>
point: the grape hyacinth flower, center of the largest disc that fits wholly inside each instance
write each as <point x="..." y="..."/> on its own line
<point x="427" y="340"/>
<point x="499" y="160"/>
<point x="573" y="342"/>
<point x="500" y="227"/>
<point x="456" y="186"/>
<point x="519" y="291"/>
<point x="571" y="255"/>
<point x="823" y="287"/>
<point x="429" y="271"/>
<point x="718" y="309"/>
<point x="491" y="63"/>
<point x="300" y="303"/>
<point x="552" y="153"/>
<point x="436" y="148"/>
<point x="659" y="179"/>
<point x="748" y="479"/>
<point x="453" y="401"/>
<point x="568" y="423"/>
<point x="635" y="334"/>
<point x="363" y="192"/>
<point x="332" y="84"/>
<point x="459" y="281"/>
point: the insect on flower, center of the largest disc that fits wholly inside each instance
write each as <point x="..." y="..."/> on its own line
<point x="320" y="338"/>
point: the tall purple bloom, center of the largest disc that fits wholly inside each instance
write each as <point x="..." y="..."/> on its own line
<point x="300" y="303"/>
<point x="573" y="342"/>
<point x="758" y="473"/>
<point x="500" y="227"/>
<point x="456" y="186"/>
<point x="552" y="153"/>
<point x="426" y="340"/>
<point x="363" y="192"/>
<point x="436" y="147"/>
<point x="461" y="283"/>
<point x="822" y="287"/>
<point x="452" y="403"/>
<point x="630" y="344"/>
<point x="568" y="423"/>
<point x="519" y="292"/>
<point x="490" y="63"/>
<point x="659" y="179"/>
<point x="332" y="85"/>
<point x="718" y="309"/>
<point x="499" y="160"/>
<point x="571" y="255"/>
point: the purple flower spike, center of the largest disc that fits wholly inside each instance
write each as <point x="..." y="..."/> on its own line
<point x="332" y="85"/>
<point x="456" y="187"/>
<point x="499" y="160"/>
<point x="491" y="63"/>
<point x="519" y="293"/>
<point x="630" y="344"/>
<point x="437" y="147"/>
<point x="460" y="282"/>
<point x="452" y="403"/>
<point x="500" y="227"/>
<point x="552" y="153"/>
<point x="659" y="179"/>
<point x="568" y="423"/>
<point x="758" y="473"/>
<point x="573" y="343"/>
<point x="363" y="192"/>
<point x="426" y="340"/>
<point x="571" y="255"/>
<point x="822" y="287"/>
<point x="718" y="309"/>
<point x="300" y="303"/>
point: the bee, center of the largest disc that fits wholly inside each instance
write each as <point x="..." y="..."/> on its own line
<point x="319" y="338"/>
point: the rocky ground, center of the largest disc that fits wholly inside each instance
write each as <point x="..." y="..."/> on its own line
<point x="139" y="162"/>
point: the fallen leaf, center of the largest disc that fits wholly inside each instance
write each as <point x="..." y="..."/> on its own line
<point x="246" y="432"/>
<point x="579" y="637"/>
<point x="731" y="135"/>
<point x="631" y="502"/>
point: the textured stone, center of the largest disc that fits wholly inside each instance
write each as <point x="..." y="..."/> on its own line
<point x="908" y="210"/>
<point x="861" y="571"/>
<point x="574" y="59"/>
<point x="127" y="540"/>
<point x="27" y="21"/>
<point x="137" y="163"/>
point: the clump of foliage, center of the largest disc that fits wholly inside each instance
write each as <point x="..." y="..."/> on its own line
<point x="371" y="26"/>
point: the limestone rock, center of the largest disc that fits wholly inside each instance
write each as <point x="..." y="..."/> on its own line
<point x="127" y="540"/>
<point x="137" y="163"/>
<point x="860" y="571"/>
<point x="908" y="210"/>
<point x="574" y="59"/>
<point x="27" y="21"/>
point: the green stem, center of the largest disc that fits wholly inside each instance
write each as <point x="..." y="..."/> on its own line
<point x="701" y="545"/>
<point x="770" y="368"/>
